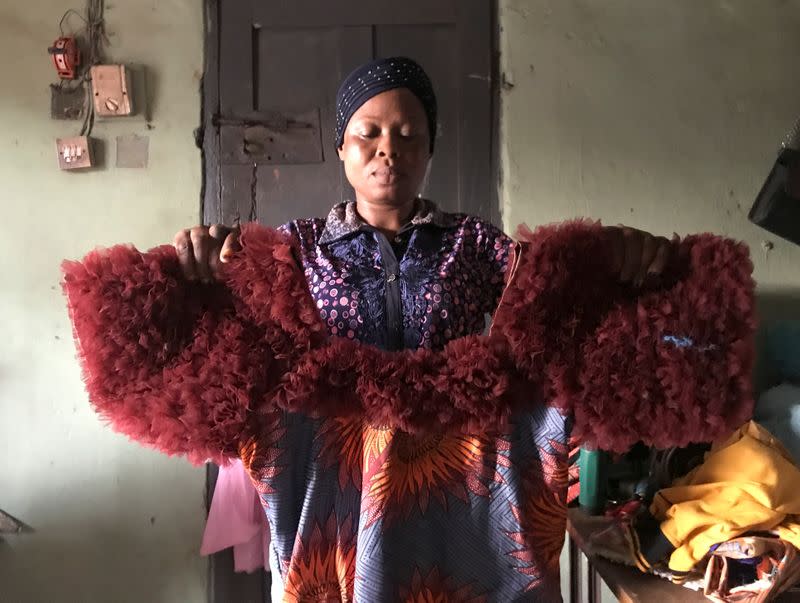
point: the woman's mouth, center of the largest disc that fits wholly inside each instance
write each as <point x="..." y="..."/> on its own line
<point x="387" y="176"/>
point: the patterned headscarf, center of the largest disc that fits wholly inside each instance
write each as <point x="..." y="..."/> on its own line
<point x="379" y="76"/>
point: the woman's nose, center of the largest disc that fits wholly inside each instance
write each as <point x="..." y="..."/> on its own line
<point x="387" y="146"/>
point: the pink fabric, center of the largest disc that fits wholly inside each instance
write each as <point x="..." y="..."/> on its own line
<point x="237" y="520"/>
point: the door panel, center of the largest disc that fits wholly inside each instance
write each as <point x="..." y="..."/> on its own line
<point x="301" y="70"/>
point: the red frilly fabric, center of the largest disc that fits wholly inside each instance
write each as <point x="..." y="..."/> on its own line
<point x="200" y="370"/>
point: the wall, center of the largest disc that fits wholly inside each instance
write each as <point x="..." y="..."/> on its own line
<point x="665" y="116"/>
<point x="113" y="522"/>
<point x="660" y="115"/>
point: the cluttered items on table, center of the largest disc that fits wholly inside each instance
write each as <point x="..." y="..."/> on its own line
<point x="722" y="518"/>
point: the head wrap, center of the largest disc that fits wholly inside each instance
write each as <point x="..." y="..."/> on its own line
<point x="379" y="76"/>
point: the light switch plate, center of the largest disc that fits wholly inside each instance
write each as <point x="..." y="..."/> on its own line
<point x="111" y="90"/>
<point x="74" y="153"/>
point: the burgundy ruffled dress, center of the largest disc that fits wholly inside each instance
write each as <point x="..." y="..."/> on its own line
<point x="401" y="452"/>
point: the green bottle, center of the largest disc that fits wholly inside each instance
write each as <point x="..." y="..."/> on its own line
<point x="593" y="478"/>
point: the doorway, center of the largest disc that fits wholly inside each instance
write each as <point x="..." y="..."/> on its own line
<point x="271" y="73"/>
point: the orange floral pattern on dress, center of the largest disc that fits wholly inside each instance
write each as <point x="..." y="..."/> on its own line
<point x="323" y="569"/>
<point x="414" y="469"/>
<point x="351" y="444"/>
<point x="260" y="454"/>
<point x="542" y="516"/>
<point x="553" y="468"/>
<point x="434" y="589"/>
<point x="574" y="487"/>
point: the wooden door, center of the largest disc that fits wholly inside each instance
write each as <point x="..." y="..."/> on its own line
<point x="272" y="69"/>
<point x="270" y="87"/>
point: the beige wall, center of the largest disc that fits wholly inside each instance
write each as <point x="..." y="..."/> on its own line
<point x="661" y="115"/>
<point x="114" y="522"/>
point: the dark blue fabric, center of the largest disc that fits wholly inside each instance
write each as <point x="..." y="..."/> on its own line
<point x="364" y="513"/>
<point x="449" y="277"/>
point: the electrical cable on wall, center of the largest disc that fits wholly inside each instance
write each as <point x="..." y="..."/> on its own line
<point x="66" y="16"/>
<point x="90" y="88"/>
<point x="92" y="36"/>
<point x="96" y="41"/>
<point x="76" y="55"/>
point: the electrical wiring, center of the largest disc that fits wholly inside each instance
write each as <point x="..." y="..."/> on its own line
<point x="93" y="39"/>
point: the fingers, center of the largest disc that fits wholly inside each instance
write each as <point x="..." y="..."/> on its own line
<point x="634" y="243"/>
<point x="649" y="250"/>
<point x="219" y="233"/>
<point x="204" y="247"/>
<point x="662" y="257"/>
<point x="637" y="256"/>
<point x="231" y="245"/>
<point x="199" y="250"/>
<point x="183" y="245"/>
<point x="617" y="241"/>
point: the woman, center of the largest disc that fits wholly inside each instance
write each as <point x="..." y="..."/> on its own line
<point x="361" y="512"/>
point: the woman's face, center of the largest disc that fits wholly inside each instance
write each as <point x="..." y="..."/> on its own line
<point x="386" y="148"/>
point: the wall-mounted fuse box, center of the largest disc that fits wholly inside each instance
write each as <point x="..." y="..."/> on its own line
<point x="111" y="90"/>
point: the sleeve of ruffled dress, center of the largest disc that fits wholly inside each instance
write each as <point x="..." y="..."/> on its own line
<point x="175" y="365"/>
<point x="665" y="365"/>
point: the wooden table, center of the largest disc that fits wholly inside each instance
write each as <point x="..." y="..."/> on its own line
<point x="628" y="584"/>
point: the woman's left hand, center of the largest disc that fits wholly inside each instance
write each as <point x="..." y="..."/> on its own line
<point x="638" y="255"/>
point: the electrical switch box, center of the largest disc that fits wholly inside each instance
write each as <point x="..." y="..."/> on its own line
<point x="74" y="153"/>
<point x="67" y="102"/>
<point x="111" y="90"/>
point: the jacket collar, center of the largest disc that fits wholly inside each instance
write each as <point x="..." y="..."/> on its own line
<point x="343" y="220"/>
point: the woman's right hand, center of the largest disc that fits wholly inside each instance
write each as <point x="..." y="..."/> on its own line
<point x="202" y="250"/>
